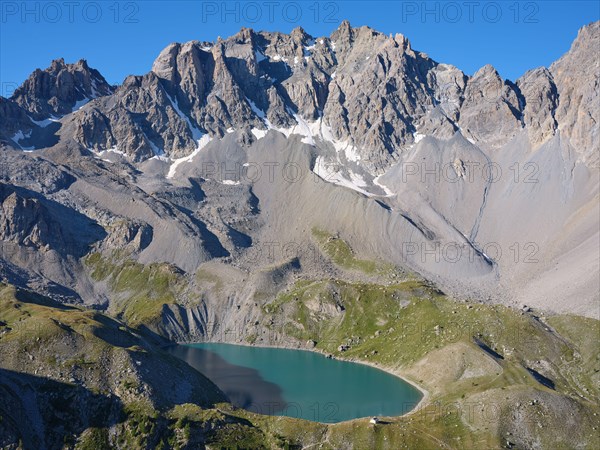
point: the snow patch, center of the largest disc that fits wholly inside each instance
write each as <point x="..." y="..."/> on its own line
<point x="387" y="190"/>
<point x="259" y="134"/>
<point x="259" y="112"/>
<point x="347" y="149"/>
<point x="307" y="51"/>
<point x="80" y="104"/>
<point x="202" y="142"/>
<point x="103" y="154"/>
<point x="417" y="137"/>
<point x="465" y="136"/>
<point x="230" y="182"/>
<point x="357" y="179"/>
<point x="19" y="136"/>
<point x="259" y="56"/>
<point x="309" y="130"/>
<point x="330" y="172"/>
<point x="196" y="133"/>
<point x="95" y="93"/>
<point x="304" y="129"/>
<point x="157" y="151"/>
<point x="44" y="123"/>
<point x="110" y="150"/>
<point x="325" y="169"/>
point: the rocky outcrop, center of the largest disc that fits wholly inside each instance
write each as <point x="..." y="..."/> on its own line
<point x="60" y="89"/>
<point x="140" y="120"/>
<point x="128" y="235"/>
<point x="26" y="221"/>
<point x="490" y="113"/>
<point x="36" y="174"/>
<point x="541" y="99"/>
<point x="15" y="125"/>
<point x="374" y="95"/>
<point x="577" y="78"/>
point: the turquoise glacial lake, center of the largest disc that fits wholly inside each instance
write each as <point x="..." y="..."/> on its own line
<point x="299" y="383"/>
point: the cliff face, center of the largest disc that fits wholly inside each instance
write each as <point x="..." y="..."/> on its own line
<point x="60" y="89"/>
<point x="190" y="162"/>
<point x="577" y="79"/>
<point x="374" y="93"/>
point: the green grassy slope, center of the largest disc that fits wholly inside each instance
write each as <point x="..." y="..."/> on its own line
<point x="496" y="377"/>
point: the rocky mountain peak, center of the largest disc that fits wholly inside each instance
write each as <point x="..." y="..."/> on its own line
<point x="165" y="65"/>
<point x="82" y="64"/>
<point x="402" y="41"/>
<point x="374" y="93"/>
<point x="487" y="71"/>
<point x="60" y="89"/>
<point x="56" y="65"/>
<point x="587" y="37"/>
<point x="344" y="31"/>
<point x="300" y="36"/>
<point x="245" y="35"/>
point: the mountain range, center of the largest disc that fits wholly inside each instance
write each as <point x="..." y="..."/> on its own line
<point x="345" y="194"/>
<point x="486" y="187"/>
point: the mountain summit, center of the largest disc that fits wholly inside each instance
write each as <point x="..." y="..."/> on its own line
<point x="401" y="156"/>
<point x="372" y="92"/>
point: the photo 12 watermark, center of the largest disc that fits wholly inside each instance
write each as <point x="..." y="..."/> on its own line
<point x="469" y="12"/>
<point x="250" y="12"/>
<point x="69" y="12"/>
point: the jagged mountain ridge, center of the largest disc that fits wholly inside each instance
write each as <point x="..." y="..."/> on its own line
<point x="59" y="89"/>
<point x="135" y="205"/>
<point x="351" y="111"/>
<point x="373" y="91"/>
<point x="33" y="112"/>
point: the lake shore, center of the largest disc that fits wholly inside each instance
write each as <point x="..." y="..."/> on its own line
<point x="419" y="406"/>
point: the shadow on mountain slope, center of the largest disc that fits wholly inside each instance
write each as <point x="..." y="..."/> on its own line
<point x="42" y="413"/>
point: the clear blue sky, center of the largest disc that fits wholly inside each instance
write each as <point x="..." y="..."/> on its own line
<point x="122" y="38"/>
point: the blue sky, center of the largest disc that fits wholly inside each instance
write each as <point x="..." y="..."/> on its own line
<point x="122" y="38"/>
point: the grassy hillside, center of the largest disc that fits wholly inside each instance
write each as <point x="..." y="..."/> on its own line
<point x="74" y="378"/>
<point x="138" y="291"/>
<point x="478" y="362"/>
<point x="495" y="377"/>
